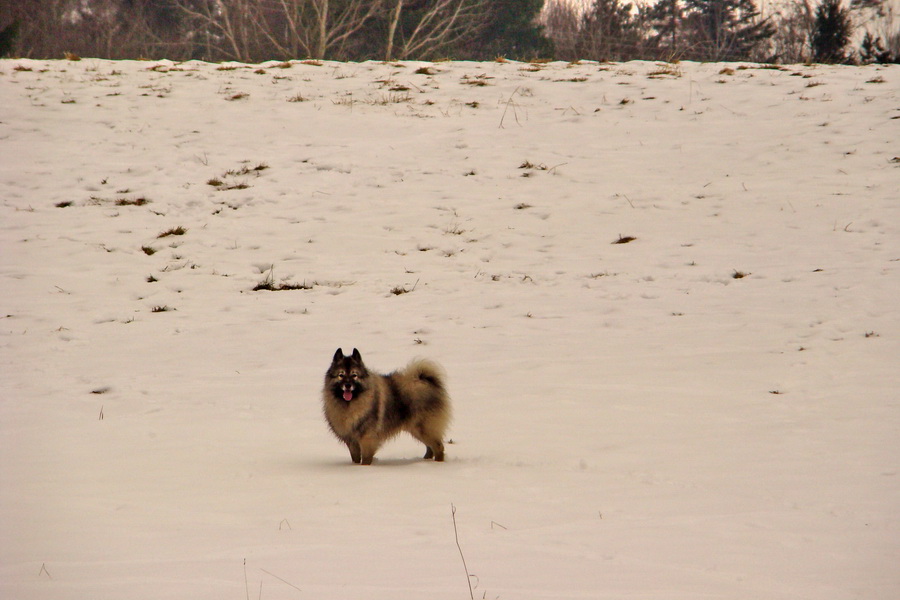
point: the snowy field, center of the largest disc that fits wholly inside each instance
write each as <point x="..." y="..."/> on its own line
<point x="709" y="409"/>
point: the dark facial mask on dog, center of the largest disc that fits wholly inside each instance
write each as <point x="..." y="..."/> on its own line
<point x="348" y="374"/>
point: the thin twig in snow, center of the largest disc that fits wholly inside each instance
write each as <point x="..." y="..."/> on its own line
<point x="458" y="547"/>
<point x="508" y="102"/>
<point x="246" y="583"/>
<point x="285" y="581"/>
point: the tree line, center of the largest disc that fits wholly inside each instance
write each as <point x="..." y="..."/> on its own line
<point x="797" y="31"/>
<point x="353" y="30"/>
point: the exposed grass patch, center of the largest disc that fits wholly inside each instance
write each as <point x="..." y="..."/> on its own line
<point x="530" y="165"/>
<point x="268" y="284"/>
<point x="237" y="96"/>
<point x="148" y="250"/>
<point x="131" y="201"/>
<point x="665" y="70"/>
<point x="739" y="274"/>
<point x="173" y="231"/>
<point x="401" y="289"/>
<point x="246" y="170"/>
<point x="162" y="308"/>
<point x="65" y="204"/>
<point x="222" y="184"/>
<point x="624" y="239"/>
<point x="477" y="80"/>
<point x="392" y="98"/>
<point x="454" y="229"/>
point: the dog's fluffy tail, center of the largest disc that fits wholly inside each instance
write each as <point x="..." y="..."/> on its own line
<point x="426" y="371"/>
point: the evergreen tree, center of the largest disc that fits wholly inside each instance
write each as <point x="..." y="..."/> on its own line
<point x="831" y="33"/>
<point x="512" y="31"/>
<point x="610" y="31"/>
<point x="666" y="18"/>
<point x="8" y="38"/>
<point x="725" y="29"/>
<point x="873" y="51"/>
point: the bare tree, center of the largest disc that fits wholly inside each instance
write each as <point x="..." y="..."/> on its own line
<point x="794" y="23"/>
<point x="434" y="26"/>
<point x="337" y="21"/>
<point x="248" y="30"/>
<point x="562" y="22"/>
<point x="393" y="21"/>
<point x="286" y="26"/>
<point x="224" y="25"/>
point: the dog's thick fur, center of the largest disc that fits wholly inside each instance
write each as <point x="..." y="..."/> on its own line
<point x="366" y="409"/>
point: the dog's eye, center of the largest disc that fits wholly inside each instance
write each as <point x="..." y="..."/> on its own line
<point x="341" y="374"/>
<point x="354" y="375"/>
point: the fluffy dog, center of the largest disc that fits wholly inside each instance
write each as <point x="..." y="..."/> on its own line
<point x="366" y="409"/>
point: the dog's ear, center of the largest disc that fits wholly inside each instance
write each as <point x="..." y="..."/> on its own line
<point x="338" y="355"/>
<point x="356" y="355"/>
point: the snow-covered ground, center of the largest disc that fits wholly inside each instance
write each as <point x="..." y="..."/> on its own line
<point x="709" y="410"/>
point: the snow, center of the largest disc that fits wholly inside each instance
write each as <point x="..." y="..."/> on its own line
<point x="633" y="420"/>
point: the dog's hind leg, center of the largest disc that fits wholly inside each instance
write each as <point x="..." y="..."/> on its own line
<point x="433" y="444"/>
<point x="436" y="449"/>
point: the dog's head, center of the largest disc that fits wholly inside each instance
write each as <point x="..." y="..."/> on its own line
<point x="347" y="376"/>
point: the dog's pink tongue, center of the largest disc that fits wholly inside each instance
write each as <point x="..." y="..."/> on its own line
<point x="348" y="395"/>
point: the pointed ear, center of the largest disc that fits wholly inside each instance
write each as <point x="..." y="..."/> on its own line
<point x="356" y="355"/>
<point x="338" y="355"/>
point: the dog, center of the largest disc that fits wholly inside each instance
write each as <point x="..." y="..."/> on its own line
<point x="366" y="409"/>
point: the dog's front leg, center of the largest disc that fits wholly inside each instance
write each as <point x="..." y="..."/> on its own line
<point x="367" y="446"/>
<point x="355" y="453"/>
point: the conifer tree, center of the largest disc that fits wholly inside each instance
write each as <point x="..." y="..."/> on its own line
<point x="831" y="33"/>
<point x="666" y="18"/>
<point x="512" y="31"/>
<point x="725" y="29"/>
<point x="610" y="31"/>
